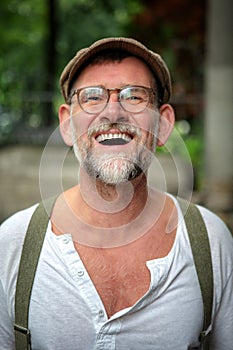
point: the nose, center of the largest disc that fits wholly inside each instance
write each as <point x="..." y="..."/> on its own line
<point x="113" y="95"/>
<point x="113" y="111"/>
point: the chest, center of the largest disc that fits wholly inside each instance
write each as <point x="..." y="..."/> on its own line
<point x="119" y="280"/>
<point x="77" y="314"/>
<point x="120" y="275"/>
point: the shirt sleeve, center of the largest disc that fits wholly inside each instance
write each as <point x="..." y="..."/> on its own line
<point x="222" y="332"/>
<point x="221" y="244"/>
<point x="12" y="233"/>
<point x="6" y="324"/>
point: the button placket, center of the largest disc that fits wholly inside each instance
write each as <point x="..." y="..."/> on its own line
<point x="84" y="283"/>
<point x="106" y="336"/>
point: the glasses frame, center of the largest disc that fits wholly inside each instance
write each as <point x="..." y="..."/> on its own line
<point x="151" y="93"/>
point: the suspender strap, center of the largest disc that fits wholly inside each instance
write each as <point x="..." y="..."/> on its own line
<point x="199" y="242"/>
<point x="33" y="243"/>
<point x="29" y="259"/>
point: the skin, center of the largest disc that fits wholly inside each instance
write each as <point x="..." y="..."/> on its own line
<point x="131" y="71"/>
<point x="138" y="218"/>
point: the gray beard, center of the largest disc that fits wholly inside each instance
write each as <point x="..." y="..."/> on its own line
<point x="113" y="168"/>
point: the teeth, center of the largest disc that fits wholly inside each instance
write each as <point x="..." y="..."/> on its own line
<point x="104" y="137"/>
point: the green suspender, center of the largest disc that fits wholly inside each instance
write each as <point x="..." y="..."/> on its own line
<point x="200" y="246"/>
<point x="29" y="259"/>
<point x="33" y="244"/>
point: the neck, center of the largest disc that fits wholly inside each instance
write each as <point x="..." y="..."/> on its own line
<point x="111" y="205"/>
<point x="103" y="215"/>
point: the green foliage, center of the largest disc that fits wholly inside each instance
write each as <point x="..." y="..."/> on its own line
<point x="187" y="141"/>
<point x="24" y="36"/>
<point x="82" y="22"/>
<point x="21" y="42"/>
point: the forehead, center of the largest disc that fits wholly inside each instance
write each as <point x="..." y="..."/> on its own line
<point x="128" y="71"/>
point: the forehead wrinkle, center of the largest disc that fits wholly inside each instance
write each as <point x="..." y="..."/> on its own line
<point x="129" y="68"/>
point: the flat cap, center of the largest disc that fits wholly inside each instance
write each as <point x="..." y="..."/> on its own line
<point x="134" y="47"/>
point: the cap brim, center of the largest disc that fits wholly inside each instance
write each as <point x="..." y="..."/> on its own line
<point x="152" y="59"/>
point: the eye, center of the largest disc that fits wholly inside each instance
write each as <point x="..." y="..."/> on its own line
<point x="91" y="96"/>
<point x="134" y="95"/>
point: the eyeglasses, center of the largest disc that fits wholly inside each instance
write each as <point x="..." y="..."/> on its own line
<point x="94" y="99"/>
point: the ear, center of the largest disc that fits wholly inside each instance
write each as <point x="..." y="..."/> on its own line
<point x="64" y="119"/>
<point x="166" y="123"/>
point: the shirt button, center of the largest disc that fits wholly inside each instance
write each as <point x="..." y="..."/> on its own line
<point x="101" y="313"/>
<point x="65" y="240"/>
<point x="80" y="273"/>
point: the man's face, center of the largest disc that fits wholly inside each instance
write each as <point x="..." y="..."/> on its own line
<point x="114" y="145"/>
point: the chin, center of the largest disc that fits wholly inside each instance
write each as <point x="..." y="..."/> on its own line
<point x="115" y="171"/>
<point x="113" y="168"/>
<point x="119" y="177"/>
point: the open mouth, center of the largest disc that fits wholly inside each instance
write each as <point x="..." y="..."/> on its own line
<point x="113" y="139"/>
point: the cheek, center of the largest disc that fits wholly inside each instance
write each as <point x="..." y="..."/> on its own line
<point x="81" y="123"/>
<point x="150" y="140"/>
<point x="149" y="120"/>
<point x="149" y="131"/>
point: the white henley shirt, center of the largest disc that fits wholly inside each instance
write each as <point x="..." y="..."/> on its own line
<point x="66" y="311"/>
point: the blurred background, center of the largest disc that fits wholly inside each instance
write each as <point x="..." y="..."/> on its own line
<point x="195" y="38"/>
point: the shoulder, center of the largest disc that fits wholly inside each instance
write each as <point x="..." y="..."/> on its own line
<point x="16" y="223"/>
<point x="12" y="233"/>
<point x="218" y="232"/>
<point x="221" y="246"/>
<point x="221" y="242"/>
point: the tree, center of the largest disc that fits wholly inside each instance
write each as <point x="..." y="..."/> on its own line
<point x="38" y="39"/>
<point x="22" y="28"/>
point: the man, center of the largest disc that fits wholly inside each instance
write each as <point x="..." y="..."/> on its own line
<point x="116" y="269"/>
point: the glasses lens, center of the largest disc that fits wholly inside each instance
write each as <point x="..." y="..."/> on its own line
<point x="93" y="99"/>
<point x="134" y="98"/>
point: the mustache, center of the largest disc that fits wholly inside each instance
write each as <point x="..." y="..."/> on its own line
<point x="121" y="127"/>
